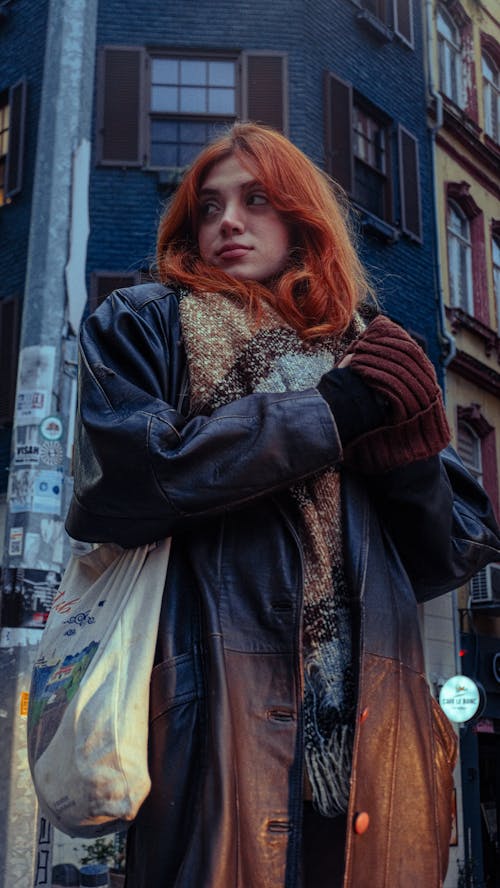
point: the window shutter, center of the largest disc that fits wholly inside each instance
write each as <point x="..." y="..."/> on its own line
<point x="14" y="169"/>
<point x="338" y="130"/>
<point x="403" y="20"/>
<point x="264" y="89"/>
<point x="102" y="283"/>
<point x="411" y="216"/>
<point x="9" y="348"/>
<point x="120" y="101"/>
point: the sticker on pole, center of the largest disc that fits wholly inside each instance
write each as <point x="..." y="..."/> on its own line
<point x="51" y="428"/>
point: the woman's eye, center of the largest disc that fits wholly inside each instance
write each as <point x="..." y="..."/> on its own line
<point x="257" y="199"/>
<point x="208" y="209"/>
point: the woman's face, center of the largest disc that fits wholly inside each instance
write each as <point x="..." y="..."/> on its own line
<point x="240" y="231"/>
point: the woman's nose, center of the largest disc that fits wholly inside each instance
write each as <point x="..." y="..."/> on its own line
<point x="232" y="220"/>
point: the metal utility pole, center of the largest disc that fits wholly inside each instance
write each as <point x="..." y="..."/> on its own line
<point x="39" y="478"/>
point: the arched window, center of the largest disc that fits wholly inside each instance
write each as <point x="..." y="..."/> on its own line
<point x="449" y="57"/>
<point x="491" y="96"/>
<point x="469" y="448"/>
<point x="460" y="259"/>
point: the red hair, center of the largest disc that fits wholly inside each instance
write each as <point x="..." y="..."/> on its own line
<point x="323" y="284"/>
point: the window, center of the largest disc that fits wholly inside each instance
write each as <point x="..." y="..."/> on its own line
<point x="403" y="20"/>
<point x="459" y="259"/>
<point x="188" y="97"/>
<point x="371" y="186"/>
<point x="12" y="113"/>
<point x="450" y="57"/>
<point x="491" y="97"/>
<point x="358" y="154"/>
<point x="495" y="249"/>
<point x="385" y="18"/>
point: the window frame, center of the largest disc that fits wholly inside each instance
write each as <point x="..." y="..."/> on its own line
<point x="462" y="242"/>
<point x="450" y="58"/>
<point x="382" y="173"/>
<point x="407" y="35"/>
<point x="188" y="117"/>
<point x="491" y="96"/>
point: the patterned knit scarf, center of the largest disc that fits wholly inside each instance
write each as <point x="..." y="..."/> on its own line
<point x="231" y="355"/>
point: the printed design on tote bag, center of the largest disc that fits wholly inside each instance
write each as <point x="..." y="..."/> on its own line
<point x="53" y="687"/>
<point x="81" y="618"/>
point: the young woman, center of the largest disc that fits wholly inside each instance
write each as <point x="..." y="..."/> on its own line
<point x="297" y="454"/>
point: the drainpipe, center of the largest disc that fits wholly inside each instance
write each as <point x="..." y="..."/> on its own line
<point x="445" y="338"/>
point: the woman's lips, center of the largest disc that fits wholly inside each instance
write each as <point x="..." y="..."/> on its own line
<point x="233" y="251"/>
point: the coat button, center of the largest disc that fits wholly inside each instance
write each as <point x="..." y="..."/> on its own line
<point x="361" y="822"/>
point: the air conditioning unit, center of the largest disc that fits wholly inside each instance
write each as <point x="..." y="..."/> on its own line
<point x="485" y="586"/>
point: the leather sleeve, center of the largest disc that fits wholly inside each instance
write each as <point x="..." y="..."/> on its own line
<point x="441" y="521"/>
<point x="142" y="467"/>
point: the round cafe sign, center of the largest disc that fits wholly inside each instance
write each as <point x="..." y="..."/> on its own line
<point x="460" y="698"/>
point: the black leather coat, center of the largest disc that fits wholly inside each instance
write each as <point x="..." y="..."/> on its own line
<point x="226" y="729"/>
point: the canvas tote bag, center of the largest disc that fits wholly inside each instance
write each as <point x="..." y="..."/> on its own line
<point x="88" y="706"/>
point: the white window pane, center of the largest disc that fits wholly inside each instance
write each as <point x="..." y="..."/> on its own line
<point x="193" y="99"/>
<point x="457" y="223"/>
<point x="488" y="69"/>
<point x="447" y="27"/>
<point x="221" y="73"/>
<point x="164" y="98"/>
<point x="448" y="70"/>
<point x="193" y="72"/>
<point x="442" y="25"/>
<point x="165" y="71"/>
<point x="453" y="266"/>
<point x="456" y="94"/>
<point x="496" y="252"/>
<point x="464" y="277"/>
<point x="221" y="101"/>
<point x="488" y="107"/>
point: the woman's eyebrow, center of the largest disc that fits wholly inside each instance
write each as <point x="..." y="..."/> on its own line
<point x="204" y="191"/>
